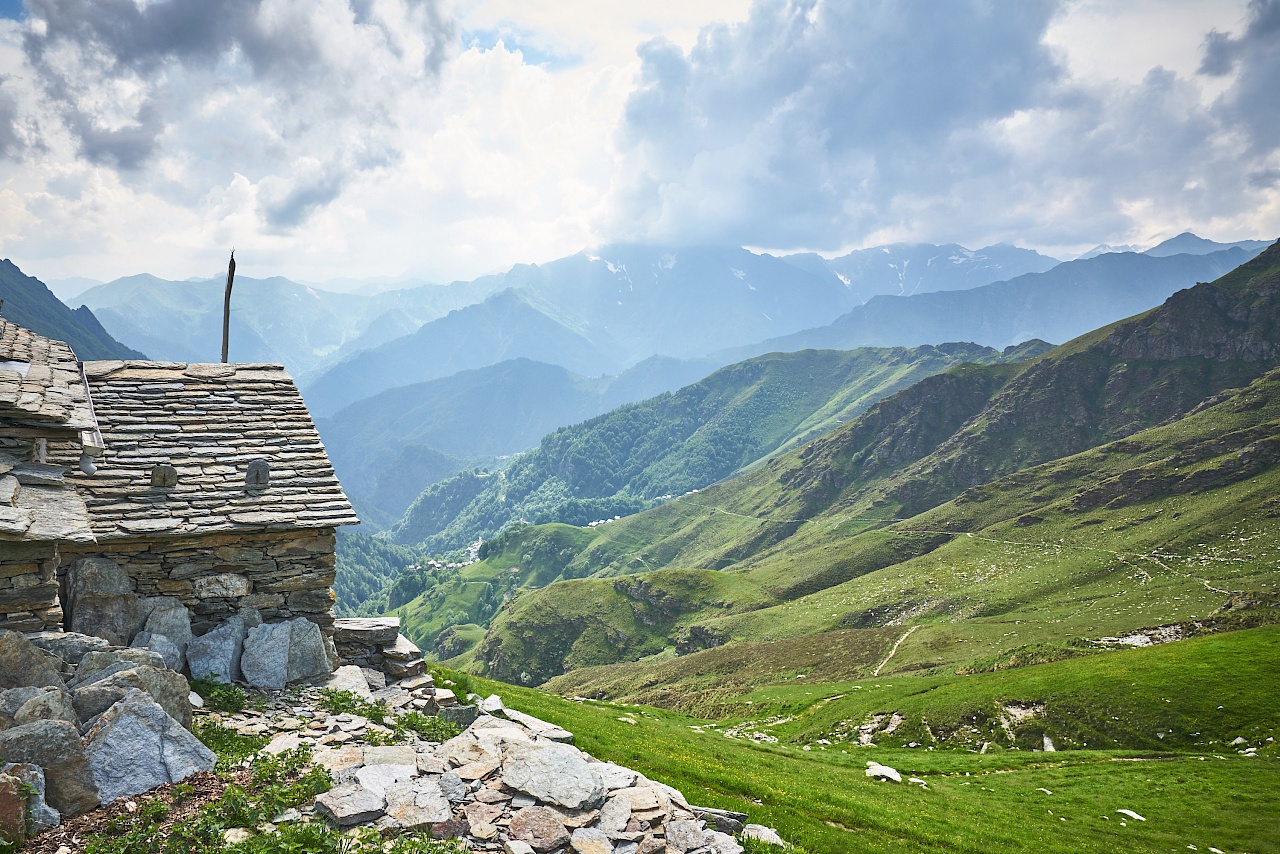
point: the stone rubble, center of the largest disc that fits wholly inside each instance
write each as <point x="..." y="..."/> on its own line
<point x="508" y="783"/>
<point x="103" y="722"/>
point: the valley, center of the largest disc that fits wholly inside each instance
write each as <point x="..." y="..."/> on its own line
<point x="1040" y="582"/>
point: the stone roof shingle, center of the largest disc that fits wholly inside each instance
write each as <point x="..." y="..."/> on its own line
<point x="208" y="422"/>
<point x="40" y="383"/>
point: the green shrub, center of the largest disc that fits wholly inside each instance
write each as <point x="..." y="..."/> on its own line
<point x="231" y="747"/>
<point x="349" y="702"/>
<point x="220" y="697"/>
<point x="426" y="727"/>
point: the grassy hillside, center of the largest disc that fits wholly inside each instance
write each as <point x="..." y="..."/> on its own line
<point x="903" y="516"/>
<point x="625" y="460"/>
<point x="788" y="762"/>
<point x="390" y="447"/>
<point x="27" y="302"/>
<point x="1159" y="528"/>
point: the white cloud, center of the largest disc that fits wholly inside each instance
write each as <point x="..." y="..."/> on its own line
<point x="327" y="138"/>
<point x="831" y="125"/>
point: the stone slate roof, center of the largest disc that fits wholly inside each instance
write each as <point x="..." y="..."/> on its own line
<point x="209" y="422"/>
<point x="42" y="396"/>
<point x="40" y="382"/>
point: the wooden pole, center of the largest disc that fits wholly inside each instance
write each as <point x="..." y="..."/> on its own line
<point x="226" y="305"/>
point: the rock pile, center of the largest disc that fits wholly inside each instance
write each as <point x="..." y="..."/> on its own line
<point x="83" y="722"/>
<point x="509" y="782"/>
<point x="376" y="643"/>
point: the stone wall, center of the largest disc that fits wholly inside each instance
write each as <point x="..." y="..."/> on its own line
<point x="281" y="575"/>
<point x="28" y="587"/>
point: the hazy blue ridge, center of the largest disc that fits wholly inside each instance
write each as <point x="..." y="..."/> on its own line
<point x="1057" y="305"/>
<point x="29" y="303"/>
<point x="628" y="458"/>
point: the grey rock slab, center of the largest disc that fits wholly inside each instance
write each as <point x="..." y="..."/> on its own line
<point x="351" y="804"/>
<point x="277" y="654"/>
<point x="136" y="745"/>
<point x="379" y="778"/>
<point x="616" y="776"/>
<point x="588" y="840"/>
<point x="431" y="764"/>
<point x="615" y="814"/>
<point x="684" y="836"/>
<point x="15" y="698"/>
<point x="492" y="705"/>
<point x="56" y="747"/>
<point x="539" y="727"/>
<point x="762" y="833"/>
<point x="463" y="716"/>
<point x="516" y="846"/>
<point x="69" y="646"/>
<point x="467" y="748"/>
<point x="216" y="653"/>
<point x="723" y="843"/>
<point x="162" y="646"/>
<point x="395" y="754"/>
<point x="170" y="690"/>
<point x="882" y="772"/>
<point x="166" y="615"/>
<point x="265" y="659"/>
<point x="417" y="803"/>
<point x="40" y="815"/>
<point x="101" y="601"/>
<point x="23" y="664"/>
<point x="99" y="665"/>
<point x="540" y="827"/>
<point x="351" y="678"/>
<point x="554" y="774"/>
<point x="51" y="705"/>
<point x="453" y="787"/>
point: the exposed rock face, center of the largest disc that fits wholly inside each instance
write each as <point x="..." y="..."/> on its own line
<point x="23" y="664"/>
<point x="541" y="827"/>
<point x="277" y="654"/>
<point x="216" y="654"/>
<point x="166" y="688"/>
<point x="351" y="804"/>
<point x="160" y="645"/>
<point x="68" y="646"/>
<point x="553" y="773"/>
<point x="39" y="814"/>
<point x="55" y="746"/>
<point x="101" y="601"/>
<point x="136" y="746"/>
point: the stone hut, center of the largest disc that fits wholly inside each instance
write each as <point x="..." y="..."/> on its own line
<point x="162" y="483"/>
<point x="44" y="403"/>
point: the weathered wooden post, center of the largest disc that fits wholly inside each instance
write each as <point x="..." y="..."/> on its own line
<point x="226" y="305"/>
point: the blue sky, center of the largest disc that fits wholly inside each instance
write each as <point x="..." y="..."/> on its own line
<point x="348" y="138"/>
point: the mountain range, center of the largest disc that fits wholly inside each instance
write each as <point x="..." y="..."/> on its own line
<point x="390" y="447"/>
<point x="27" y="302"/>
<point x="639" y="453"/>
<point x="980" y="494"/>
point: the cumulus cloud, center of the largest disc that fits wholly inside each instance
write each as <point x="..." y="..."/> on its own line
<point x="828" y="124"/>
<point x="300" y="95"/>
